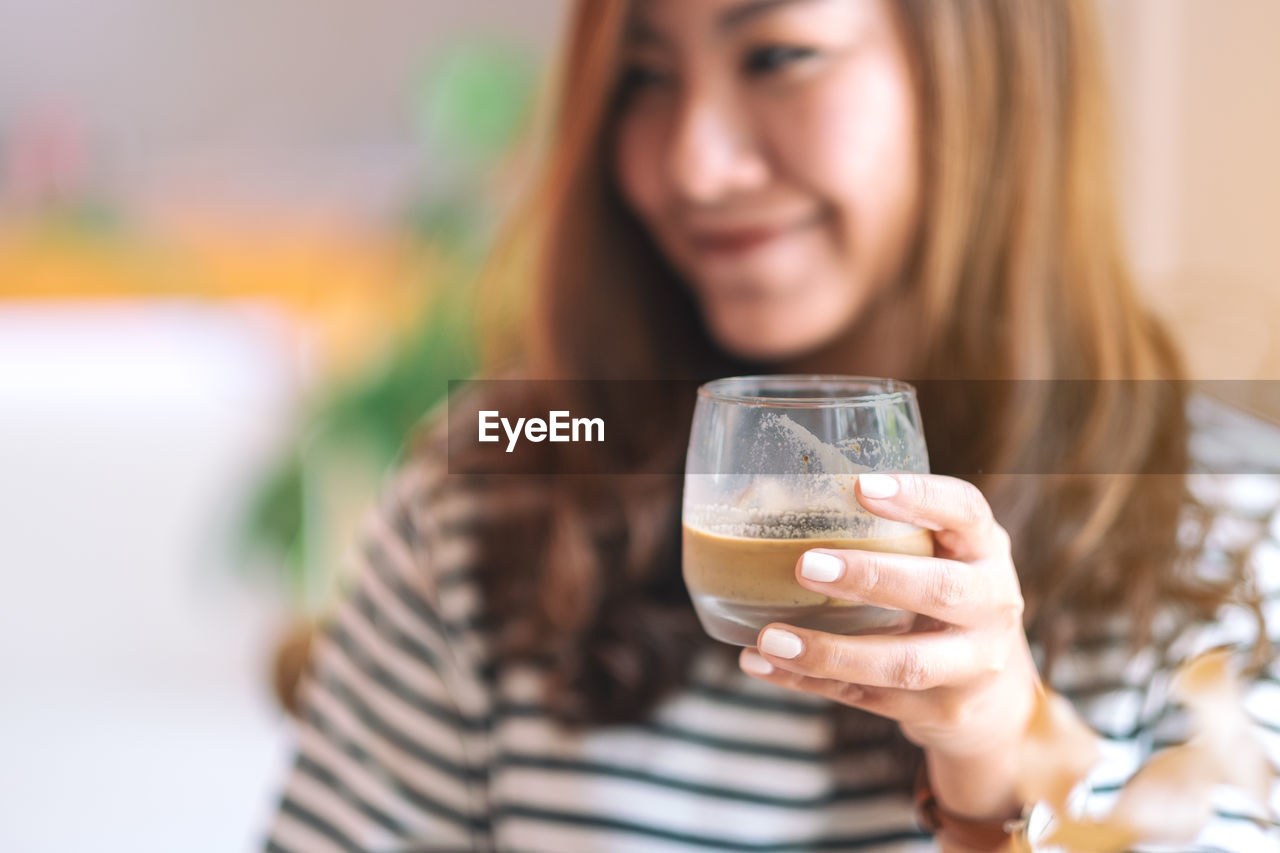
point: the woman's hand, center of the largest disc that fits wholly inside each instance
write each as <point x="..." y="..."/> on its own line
<point x="962" y="685"/>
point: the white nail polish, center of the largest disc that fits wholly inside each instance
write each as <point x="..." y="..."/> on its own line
<point x="781" y="644"/>
<point x="756" y="665"/>
<point x="824" y="568"/>
<point x="877" y="485"/>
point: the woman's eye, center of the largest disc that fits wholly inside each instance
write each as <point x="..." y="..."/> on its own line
<point x="641" y="77"/>
<point x="766" y="59"/>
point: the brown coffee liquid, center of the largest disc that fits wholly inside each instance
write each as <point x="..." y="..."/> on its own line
<point x="763" y="571"/>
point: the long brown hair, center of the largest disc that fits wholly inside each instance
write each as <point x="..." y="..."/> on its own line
<point x="1017" y="273"/>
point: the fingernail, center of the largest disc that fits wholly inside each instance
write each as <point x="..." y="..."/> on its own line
<point x="877" y="485"/>
<point x="779" y="643"/>
<point x="824" y="568"/>
<point x="754" y="664"/>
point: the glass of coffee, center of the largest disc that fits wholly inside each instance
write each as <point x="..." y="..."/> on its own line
<point x="770" y="473"/>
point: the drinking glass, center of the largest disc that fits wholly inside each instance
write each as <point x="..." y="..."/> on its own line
<point x="770" y="473"/>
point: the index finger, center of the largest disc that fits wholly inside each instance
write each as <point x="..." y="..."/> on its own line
<point x="963" y="525"/>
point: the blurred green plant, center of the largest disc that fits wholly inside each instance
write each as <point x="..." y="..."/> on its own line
<point x="472" y="101"/>
<point x="466" y="107"/>
<point x="305" y="509"/>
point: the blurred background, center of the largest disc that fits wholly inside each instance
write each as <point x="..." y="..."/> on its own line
<point x="235" y="251"/>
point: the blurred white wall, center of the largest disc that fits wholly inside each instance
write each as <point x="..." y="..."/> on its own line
<point x="271" y="101"/>
<point x="135" y="712"/>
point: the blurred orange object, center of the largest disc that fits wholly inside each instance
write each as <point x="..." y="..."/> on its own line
<point x="355" y="291"/>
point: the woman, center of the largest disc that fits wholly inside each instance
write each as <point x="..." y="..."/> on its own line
<point x="910" y="188"/>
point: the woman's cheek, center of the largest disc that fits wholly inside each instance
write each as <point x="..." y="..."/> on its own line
<point x="855" y="142"/>
<point x="637" y="167"/>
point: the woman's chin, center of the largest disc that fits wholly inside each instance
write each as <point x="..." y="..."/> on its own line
<point x="765" y="346"/>
<point x="775" y="329"/>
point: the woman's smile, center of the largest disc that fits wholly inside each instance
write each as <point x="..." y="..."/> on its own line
<point x="720" y="243"/>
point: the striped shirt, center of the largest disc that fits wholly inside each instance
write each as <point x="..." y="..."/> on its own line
<point x="412" y="739"/>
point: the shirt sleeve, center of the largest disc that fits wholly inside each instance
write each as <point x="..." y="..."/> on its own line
<point x="392" y="732"/>
<point x="1127" y="699"/>
<point x="1247" y="527"/>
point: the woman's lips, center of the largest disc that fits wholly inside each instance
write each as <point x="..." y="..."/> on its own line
<point x="735" y="241"/>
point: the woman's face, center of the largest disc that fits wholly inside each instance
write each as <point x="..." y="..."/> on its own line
<point x="770" y="148"/>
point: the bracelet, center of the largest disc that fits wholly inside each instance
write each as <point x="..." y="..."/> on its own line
<point x="990" y="834"/>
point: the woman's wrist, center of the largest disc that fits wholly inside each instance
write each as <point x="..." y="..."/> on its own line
<point x="992" y="817"/>
<point x="976" y="787"/>
<point x="977" y="777"/>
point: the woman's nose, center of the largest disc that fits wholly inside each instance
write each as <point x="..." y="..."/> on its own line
<point x="714" y="152"/>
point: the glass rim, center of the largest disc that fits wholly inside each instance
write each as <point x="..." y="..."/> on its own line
<point x="879" y="390"/>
